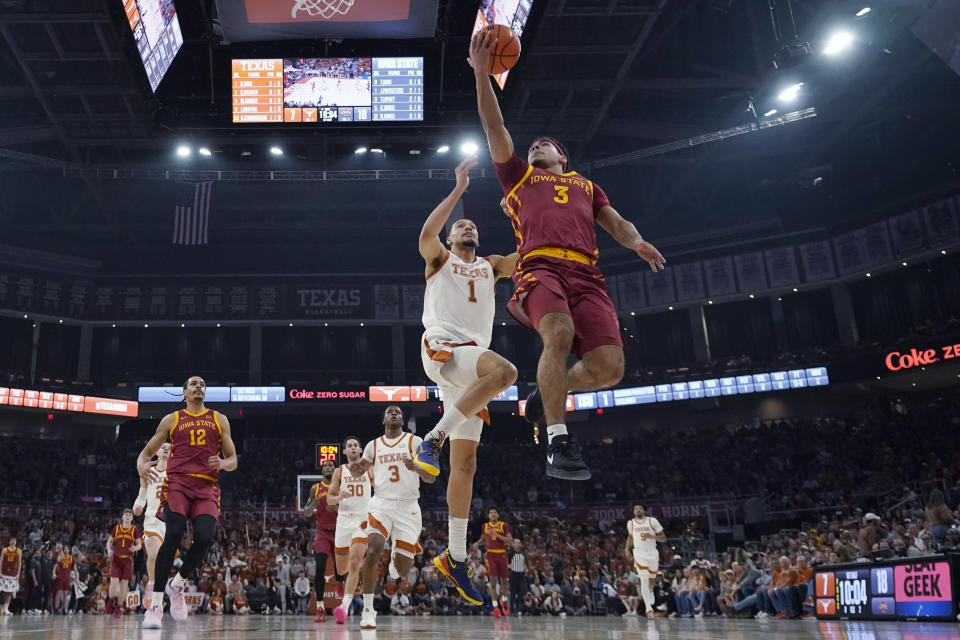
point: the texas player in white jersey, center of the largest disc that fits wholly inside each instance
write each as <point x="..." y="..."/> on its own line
<point x="352" y="495"/>
<point x="148" y="503"/>
<point x="394" y="511"/>
<point x="458" y="309"/>
<point x="643" y="534"/>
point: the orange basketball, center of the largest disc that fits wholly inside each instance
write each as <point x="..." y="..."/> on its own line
<point x="507" y="50"/>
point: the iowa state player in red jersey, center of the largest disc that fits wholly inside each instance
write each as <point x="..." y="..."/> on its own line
<point x="496" y="537"/>
<point x="123" y="543"/>
<point x="197" y="436"/>
<point x="559" y="291"/>
<point x="326" y="518"/>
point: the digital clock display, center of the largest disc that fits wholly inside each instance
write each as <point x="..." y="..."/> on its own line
<point x="328" y="452"/>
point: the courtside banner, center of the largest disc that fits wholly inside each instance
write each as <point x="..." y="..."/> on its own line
<point x="247" y="20"/>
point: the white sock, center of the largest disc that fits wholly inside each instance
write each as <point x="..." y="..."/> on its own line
<point x="156" y="600"/>
<point x="646" y="593"/>
<point x="368" y="602"/>
<point x="457" y="533"/>
<point x="347" y="599"/>
<point x="177" y="582"/>
<point x="448" y="424"/>
<point x="555" y="430"/>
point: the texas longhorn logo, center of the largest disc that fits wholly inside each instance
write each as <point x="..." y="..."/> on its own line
<point x="326" y="9"/>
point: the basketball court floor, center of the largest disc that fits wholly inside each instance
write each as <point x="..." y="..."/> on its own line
<point x="472" y="628"/>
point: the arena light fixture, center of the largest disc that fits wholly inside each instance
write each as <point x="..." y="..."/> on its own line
<point x="183" y="151"/>
<point x="795" y="290"/>
<point x="943" y="252"/>
<point x="469" y="148"/>
<point x="868" y="274"/>
<point x="772" y="112"/>
<point x="443" y="148"/>
<point x="204" y="152"/>
<point x="360" y="150"/>
<point x="276" y="151"/>
<point x="376" y="150"/>
<point x="669" y="308"/>
<point x="863" y="12"/>
<point x="903" y="264"/>
<point x="790" y="93"/>
<point x="838" y="42"/>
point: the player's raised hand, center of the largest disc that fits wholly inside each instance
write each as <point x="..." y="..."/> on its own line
<point x="137" y="510"/>
<point x="481" y="45"/>
<point x="649" y="253"/>
<point x="463" y="172"/>
<point x="147" y="471"/>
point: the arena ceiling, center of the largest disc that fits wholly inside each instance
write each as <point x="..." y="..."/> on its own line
<point x="608" y="77"/>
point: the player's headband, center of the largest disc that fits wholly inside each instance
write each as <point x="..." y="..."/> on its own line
<point x="558" y="147"/>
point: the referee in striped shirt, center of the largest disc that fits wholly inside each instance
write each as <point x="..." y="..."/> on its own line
<point x="518" y="576"/>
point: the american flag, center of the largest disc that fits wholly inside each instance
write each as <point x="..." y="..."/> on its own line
<point x="190" y="223"/>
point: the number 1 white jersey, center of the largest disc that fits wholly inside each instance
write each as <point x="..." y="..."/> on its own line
<point x="644" y="532"/>
<point x="393" y="480"/>
<point x="459" y="302"/>
<point x="358" y="492"/>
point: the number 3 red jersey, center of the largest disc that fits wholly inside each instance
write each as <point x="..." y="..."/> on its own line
<point x="193" y="439"/>
<point x="549" y="209"/>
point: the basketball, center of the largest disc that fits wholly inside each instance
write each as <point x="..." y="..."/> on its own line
<point x="507" y="50"/>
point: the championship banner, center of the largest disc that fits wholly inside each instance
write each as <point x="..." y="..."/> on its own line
<point x="630" y="291"/>
<point x="817" y="260"/>
<point x="659" y="288"/>
<point x="248" y="20"/>
<point x="782" y="266"/>
<point x="720" y="276"/>
<point x="874" y="242"/>
<point x="850" y="258"/>
<point x="941" y="220"/>
<point x="906" y="233"/>
<point x="689" y="281"/>
<point x="751" y="275"/>
<point x="386" y="301"/>
<point x="413" y="301"/>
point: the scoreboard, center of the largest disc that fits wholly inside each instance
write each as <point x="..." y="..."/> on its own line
<point x="327" y="452"/>
<point x="310" y="90"/>
<point x="906" y="588"/>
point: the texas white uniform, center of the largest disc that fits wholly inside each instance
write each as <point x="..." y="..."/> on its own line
<point x="352" y="510"/>
<point x="394" y="510"/>
<point x="645" y="555"/>
<point x="458" y="308"/>
<point x="150" y="499"/>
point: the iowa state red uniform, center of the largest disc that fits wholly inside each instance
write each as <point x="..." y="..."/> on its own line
<point x="326" y="520"/>
<point x="496" y="548"/>
<point x="64" y="567"/>
<point x="123" y="541"/>
<point x="554" y="221"/>
<point x="191" y="486"/>
<point x="10" y="562"/>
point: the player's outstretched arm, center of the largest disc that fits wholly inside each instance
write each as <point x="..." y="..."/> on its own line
<point x="498" y="138"/>
<point x="503" y="266"/>
<point x="145" y="466"/>
<point x="311" y="506"/>
<point x="141" y="500"/>
<point x="624" y="232"/>
<point x="431" y="248"/>
<point x="628" y="547"/>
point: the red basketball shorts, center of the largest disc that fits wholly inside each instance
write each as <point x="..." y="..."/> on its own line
<point x="496" y="564"/>
<point x="121" y="568"/>
<point x="553" y="285"/>
<point x="323" y="542"/>
<point x="191" y="496"/>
